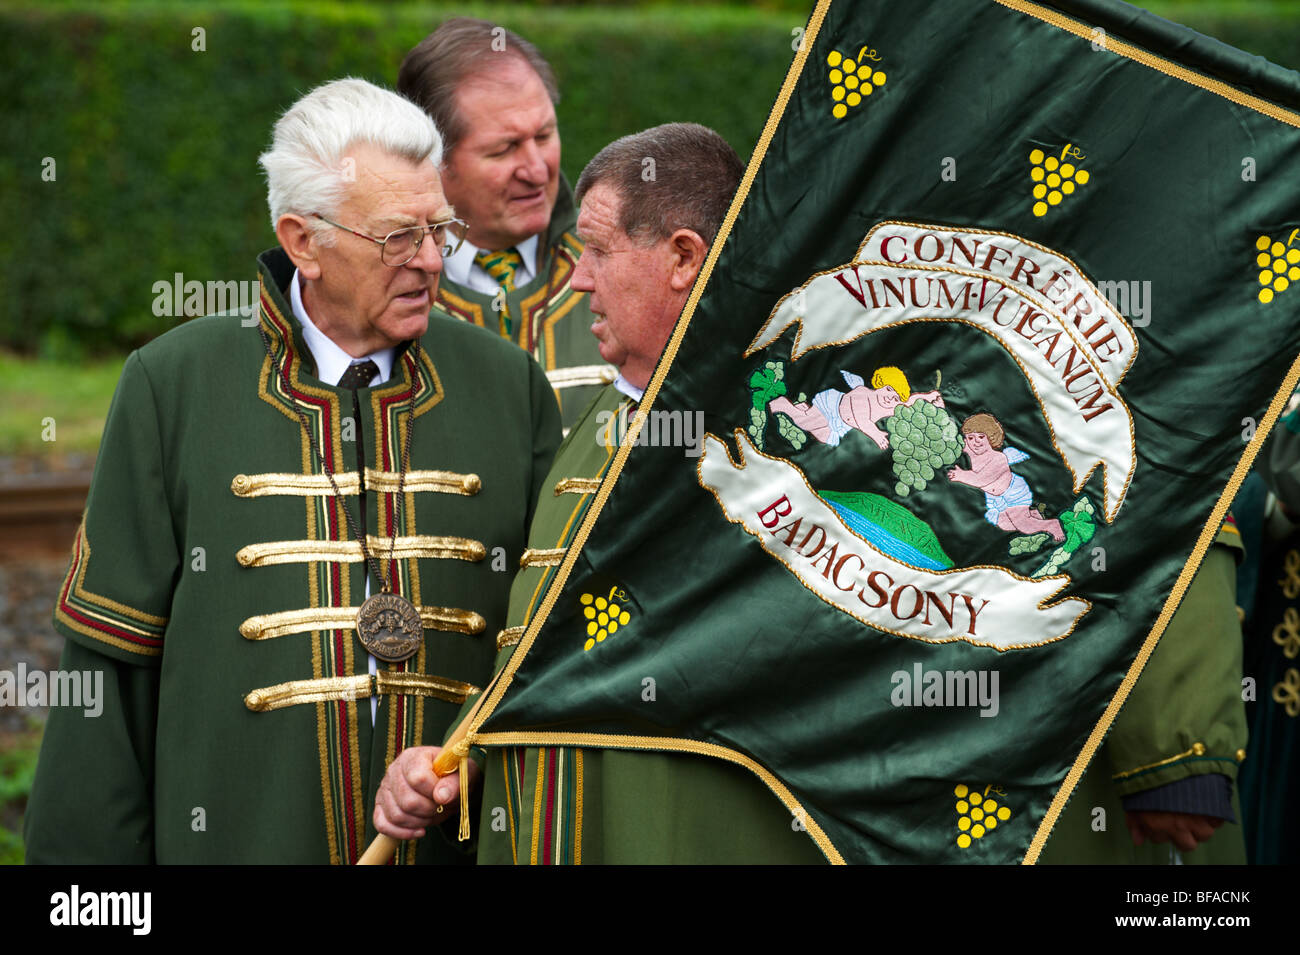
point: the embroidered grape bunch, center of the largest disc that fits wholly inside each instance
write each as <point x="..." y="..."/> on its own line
<point x="977" y="814"/>
<point x="1279" y="266"/>
<point x="851" y="80"/>
<point x="1054" y="178"/>
<point x="923" y="439"/>
<point x="1079" y="524"/>
<point x="604" y="615"/>
<point x="766" y="384"/>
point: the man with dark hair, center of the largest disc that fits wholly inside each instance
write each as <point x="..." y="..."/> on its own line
<point x="493" y="97"/>
<point x="645" y="238"/>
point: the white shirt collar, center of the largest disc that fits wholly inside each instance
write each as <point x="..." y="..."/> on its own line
<point x="463" y="270"/>
<point x="332" y="361"/>
<point x="629" y="389"/>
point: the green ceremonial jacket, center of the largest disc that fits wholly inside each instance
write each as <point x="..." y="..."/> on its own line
<point x="1184" y="717"/>
<point x="562" y="805"/>
<point x="215" y="582"/>
<point x="556" y="328"/>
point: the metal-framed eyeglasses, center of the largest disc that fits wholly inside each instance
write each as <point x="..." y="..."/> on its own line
<point x="402" y="245"/>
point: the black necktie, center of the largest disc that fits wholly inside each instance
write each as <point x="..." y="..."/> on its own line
<point x="359" y="374"/>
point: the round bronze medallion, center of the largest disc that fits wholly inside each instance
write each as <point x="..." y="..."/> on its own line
<point x="390" y="627"/>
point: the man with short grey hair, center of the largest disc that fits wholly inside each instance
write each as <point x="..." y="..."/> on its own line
<point x="645" y="242"/>
<point x="291" y="556"/>
<point x="493" y="96"/>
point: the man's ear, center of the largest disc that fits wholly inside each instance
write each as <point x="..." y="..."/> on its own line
<point x="688" y="252"/>
<point x="298" y="240"/>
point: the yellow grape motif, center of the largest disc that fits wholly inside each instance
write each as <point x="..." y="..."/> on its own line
<point x="1279" y="265"/>
<point x="1055" y="177"/>
<point x="852" y="80"/>
<point x="604" y="615"/>
<point x="978" y="813"/>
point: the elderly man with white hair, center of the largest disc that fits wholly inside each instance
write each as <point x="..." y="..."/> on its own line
<point x="294" y="553"/>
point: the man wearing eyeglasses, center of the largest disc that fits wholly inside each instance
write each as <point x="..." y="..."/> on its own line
<point x="296" y="541"/>
<point x="493" y="96"/>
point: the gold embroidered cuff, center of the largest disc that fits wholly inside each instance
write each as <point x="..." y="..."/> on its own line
<point x="581" y="375"/>
<point x="549" y="557"/>
<point x="269" y="625"/>
<point x="81" y="560"/>
<point x="305" y="551"/>
<point x="357" y="688"/>
<point x="577" y="485"/>
<point x="509" y="637"/>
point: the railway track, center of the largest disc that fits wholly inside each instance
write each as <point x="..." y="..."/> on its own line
<point x="39" y="514"/>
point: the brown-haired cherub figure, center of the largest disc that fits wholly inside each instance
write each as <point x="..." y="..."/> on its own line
<point x="1006" y="495"/>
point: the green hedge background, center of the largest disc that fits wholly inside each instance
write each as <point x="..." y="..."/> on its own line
<point x="156" y="144"/>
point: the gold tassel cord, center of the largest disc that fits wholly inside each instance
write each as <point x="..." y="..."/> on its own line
<point x="1198" y="749"/>
<point x="463" y="833"/>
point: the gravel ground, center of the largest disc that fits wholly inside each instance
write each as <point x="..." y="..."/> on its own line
<point x="23" y="467"/>
<point x="27" y="594"/>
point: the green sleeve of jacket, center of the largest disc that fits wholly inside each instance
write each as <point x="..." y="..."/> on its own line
<point x="547" y="433"/>
<point x="92" y="799"/>
<point x="118" y="594"/>
<point x="1185" y="715"/>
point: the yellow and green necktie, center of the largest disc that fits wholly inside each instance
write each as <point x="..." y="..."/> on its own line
<point x="502" y="266"/>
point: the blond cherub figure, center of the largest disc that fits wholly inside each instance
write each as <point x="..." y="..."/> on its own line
<point x="833" y="413"/>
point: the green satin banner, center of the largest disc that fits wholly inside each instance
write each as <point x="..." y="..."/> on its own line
<point x="1003" y="310"/>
